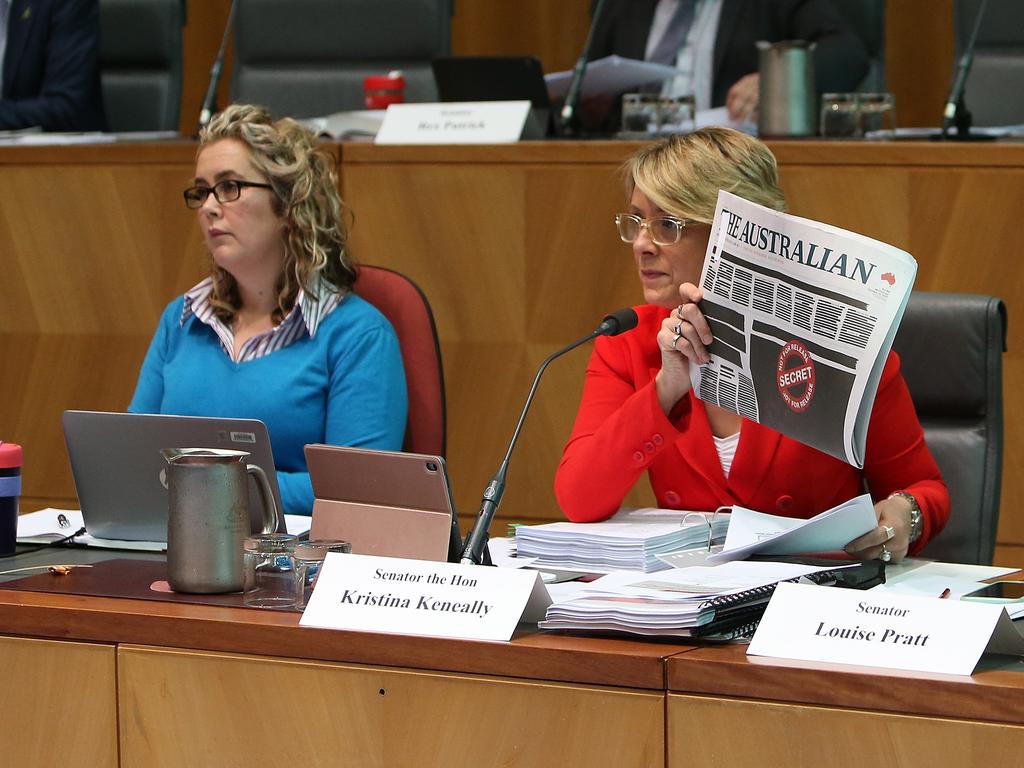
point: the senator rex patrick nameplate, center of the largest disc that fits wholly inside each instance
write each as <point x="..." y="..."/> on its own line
<point x="416" y="597"/>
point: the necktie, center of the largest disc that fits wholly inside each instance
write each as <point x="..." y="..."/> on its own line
<point x="667" y="49"/>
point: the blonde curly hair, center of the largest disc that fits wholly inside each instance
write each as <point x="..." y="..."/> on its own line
<point x="682" y="174"/>
<point x="305" y="186"/>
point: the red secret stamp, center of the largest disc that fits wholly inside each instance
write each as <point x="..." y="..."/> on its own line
<point x="795" y="376"/>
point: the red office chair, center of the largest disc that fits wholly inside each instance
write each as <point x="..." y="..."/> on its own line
<point x="402" y="302"/>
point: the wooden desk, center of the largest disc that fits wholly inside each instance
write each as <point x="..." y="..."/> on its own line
<point x="514" y="245"/>
<point x="766" y="712"/>
<point x="179" y="684"/>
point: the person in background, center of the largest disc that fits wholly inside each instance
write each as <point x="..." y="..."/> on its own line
<point x="49" y="65"/>
<point x="275" y="332"/>
<point x="639" y="414"/>
<point x="713" y="44"/>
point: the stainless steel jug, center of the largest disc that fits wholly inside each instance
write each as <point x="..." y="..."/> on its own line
<point x="788" y="99"/>
<point x="208" y="517"/>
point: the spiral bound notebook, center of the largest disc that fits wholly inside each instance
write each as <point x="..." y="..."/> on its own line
<point x="684" y="602"/>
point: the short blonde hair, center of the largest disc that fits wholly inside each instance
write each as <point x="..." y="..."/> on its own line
<point x="305" y="186"/>
<point x="683" y="174"/>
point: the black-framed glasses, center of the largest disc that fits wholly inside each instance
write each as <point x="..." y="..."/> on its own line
<point x="226" y="191"/>
<point x="664" y="230"/>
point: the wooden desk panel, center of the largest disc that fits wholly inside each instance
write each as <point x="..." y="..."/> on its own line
<point x="194" y="708"/>
<point x="995" y="693"/>
<point x="708" y="732"/>
<point x="532" y="656"/>
<point x="59" y="705"/>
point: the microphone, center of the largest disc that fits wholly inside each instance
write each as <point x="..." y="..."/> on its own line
<point x="956" y="110"/>
<point x="612" y="325"/>
<point x="210" y="101"/>
<point x="569" y="125"/>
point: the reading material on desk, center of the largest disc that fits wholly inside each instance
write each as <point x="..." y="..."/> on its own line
<point x="631" y="540"/>
<point x="755" y="532"/>
<point x="721" y="602"/>
<point x="610" y="76"/>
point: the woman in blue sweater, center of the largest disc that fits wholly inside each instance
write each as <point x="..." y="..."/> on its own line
<point x="275" y="333"/>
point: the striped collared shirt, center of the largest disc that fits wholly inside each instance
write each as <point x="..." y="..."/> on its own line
<point x="311" y="307"/>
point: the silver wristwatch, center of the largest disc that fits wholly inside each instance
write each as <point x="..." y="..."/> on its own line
<point x="916" y="524"/>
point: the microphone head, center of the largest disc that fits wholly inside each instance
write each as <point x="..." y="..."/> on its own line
<point x="617" y="322"/>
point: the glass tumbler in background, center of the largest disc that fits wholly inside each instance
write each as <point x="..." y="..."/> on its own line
<point x="840" y="116"/>
<point x="268" y="571"/>
<point x="878" y="115"/>
<point x="678" y="114"/>
<point x="640" y="115"/>
<point x="309" y="559"/>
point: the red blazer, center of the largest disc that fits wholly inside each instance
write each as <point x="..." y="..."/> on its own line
<point x="621" y="431"/>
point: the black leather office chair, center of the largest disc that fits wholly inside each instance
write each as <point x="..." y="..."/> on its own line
<point x="140" y="63"/>
<point x="307" y="58"/>
<point x="995" y="87"/>
<point x="951" y="348"/>
<point x="867" y="19"/>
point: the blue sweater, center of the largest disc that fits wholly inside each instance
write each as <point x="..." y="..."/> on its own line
<point x="345" y="386"/>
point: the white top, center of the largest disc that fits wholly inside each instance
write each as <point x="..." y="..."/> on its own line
<point x="697" y="56"/>
<point x="726" y="447"/>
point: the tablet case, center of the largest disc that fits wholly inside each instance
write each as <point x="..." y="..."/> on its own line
<point x="384" y="503"/>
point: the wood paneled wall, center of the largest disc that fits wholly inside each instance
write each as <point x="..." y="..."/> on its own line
<point x="919" y="45"/>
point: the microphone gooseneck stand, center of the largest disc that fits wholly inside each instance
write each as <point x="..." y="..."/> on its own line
<point x="955" y="112"/>
<point x="473" y="553"/>
<point x="210" y="100"/>
<point x="569" y="122"/>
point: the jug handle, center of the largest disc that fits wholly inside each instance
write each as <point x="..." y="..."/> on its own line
<point x="271" y="516"/>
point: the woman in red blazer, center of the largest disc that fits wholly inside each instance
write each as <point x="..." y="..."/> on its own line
<point x="638" y="411"/>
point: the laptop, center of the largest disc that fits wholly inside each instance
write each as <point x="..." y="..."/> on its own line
<point x="120" y="473"/>
<point x="384" y="503"/>
<point x="496" y="78"/>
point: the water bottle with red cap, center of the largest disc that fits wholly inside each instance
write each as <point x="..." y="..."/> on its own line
<point x="10" y="491"/>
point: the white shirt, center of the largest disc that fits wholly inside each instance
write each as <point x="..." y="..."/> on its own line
<point x="726" y="447"/>
<point x="696" y="59"/>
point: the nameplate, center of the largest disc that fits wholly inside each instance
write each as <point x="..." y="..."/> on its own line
<point x="416" y="597"/>
<point x="879" y="629"/>
<point x="476" y="122"/>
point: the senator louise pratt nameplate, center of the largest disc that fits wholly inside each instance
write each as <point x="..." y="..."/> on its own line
<point x="415" y="597"/>
<point x="880" y="629"/>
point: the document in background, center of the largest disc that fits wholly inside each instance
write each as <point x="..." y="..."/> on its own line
<point x="610" y="76"/>
<point x="49" y="525"/>
<point x="803" y="316"/>
<point x="346" y="125"/>
<point x="830" y="531"/>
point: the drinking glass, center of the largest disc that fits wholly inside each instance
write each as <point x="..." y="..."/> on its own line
<point x="268" y="571"/>
<point x="840" y="116"/>
<point x="878" y="115"/>
<point x="640" y="115"/>
<point x="309" y="559"/>
<point x="677" y="114"/>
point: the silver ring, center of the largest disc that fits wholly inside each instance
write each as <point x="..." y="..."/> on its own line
<point x="678" y="330"/>
<point x="679" y="311"/>
<point x="675" y="340"/>
<point x="886" y="555"/>
<point x="889" y="532"/>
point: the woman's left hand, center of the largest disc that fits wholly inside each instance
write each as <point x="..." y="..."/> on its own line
<point x="893" y="516"/>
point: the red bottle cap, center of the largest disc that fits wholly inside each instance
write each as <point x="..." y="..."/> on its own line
<point x="10" y="455"/>
<point x="381" y="90"/>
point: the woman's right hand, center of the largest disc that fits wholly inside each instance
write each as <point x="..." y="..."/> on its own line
<point x="684" y="337"/>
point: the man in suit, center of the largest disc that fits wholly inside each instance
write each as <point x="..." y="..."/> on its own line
<point x="50" y="65"/>
<point x="725" y="32"/>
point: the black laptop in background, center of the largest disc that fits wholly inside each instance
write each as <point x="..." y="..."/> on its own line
<point x="496" y="78"/>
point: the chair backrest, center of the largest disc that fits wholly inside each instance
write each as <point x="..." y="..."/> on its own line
<point x="140" y="63"/>
<point x="867" y="19"/>
<point x="401" y="301"/>
<point x="995" y="88"/>
<point x="308" y="58"/>
<point x="951" y="348"/>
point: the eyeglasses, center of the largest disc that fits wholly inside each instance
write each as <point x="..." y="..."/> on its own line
<point x="664" y="230"/>
<point x="226" y="191"/>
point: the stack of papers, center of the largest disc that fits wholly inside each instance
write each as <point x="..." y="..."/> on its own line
<point x="722" y="600"/>
<point x="629" y="541"/>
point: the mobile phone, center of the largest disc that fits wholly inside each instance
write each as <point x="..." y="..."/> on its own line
<point x="998" y="592"/>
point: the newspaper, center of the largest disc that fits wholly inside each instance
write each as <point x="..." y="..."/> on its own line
<point x="803" y="316"/>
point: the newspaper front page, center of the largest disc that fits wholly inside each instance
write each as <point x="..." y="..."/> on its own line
<point x="803" y="316"/>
